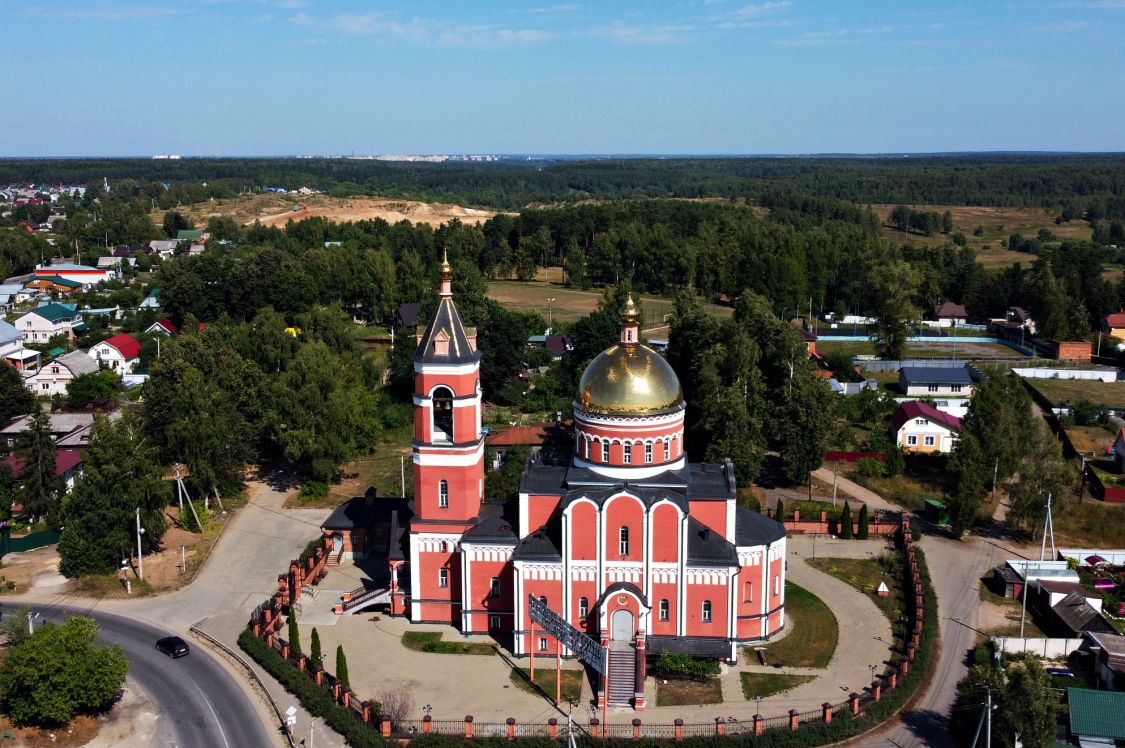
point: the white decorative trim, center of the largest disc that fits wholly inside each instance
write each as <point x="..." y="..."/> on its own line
<point x="632" y="472"/>
<point x="777" y="550"/>
<point x="464" y="459"/>
<point x="584" y="573"/>
<point x="750" y="556"/>
<point x="665" y="576"/>
<point x="434" y="368"/>
<point x="431" y="542"/>
<point x="707" y="576"/>
<point x="581" y="416"/>
<point x="486" y="552"/>
<point x="537" y="570"/>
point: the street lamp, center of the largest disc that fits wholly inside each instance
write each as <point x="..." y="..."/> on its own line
<point x="550" y="313"/>
<point x="758" y="702"/>
<point x="140" y="555"/>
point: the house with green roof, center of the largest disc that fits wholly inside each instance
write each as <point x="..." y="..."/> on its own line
<point x="48" y="320"/>
<point x="189" y="235"/>
<point x="1097" y="718"/>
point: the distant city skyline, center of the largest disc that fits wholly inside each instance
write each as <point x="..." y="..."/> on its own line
<point x="664" y="77"/>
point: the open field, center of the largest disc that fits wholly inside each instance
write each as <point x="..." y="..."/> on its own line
<point x="571" y="303"/>
<point x="997" y="224"/>
<point x="1090" y="439"/>
<point x="1063" y="391"/>
<point x="274" y="209"/>
<point x="756" y="685"/>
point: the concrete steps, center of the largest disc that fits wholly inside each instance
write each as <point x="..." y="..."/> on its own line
<point x="622" y="677"/>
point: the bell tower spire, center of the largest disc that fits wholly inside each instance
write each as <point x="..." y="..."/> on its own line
<point x="446" y="276"/>
<point x="630" y="322"/>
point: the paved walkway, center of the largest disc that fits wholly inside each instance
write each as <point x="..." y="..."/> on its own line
<point x="851" y="488"/>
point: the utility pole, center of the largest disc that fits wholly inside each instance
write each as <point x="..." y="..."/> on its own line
<point x="995" y="470"/>
<point x="140" y="555"/>
<point x="31" y="622"/>
<point x="833" y="485"/>
<point x="402" y="474"/>
<point x="550" y="314"/>
<point x="988" y="714"/>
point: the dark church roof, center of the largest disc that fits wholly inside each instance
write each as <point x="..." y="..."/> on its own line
<point x="447" y="321"/>
<point x="752" y="528"/>
<point x="707" y="547"/>
<point x="541" y="545"/>
<point x="493" y="526"/>
<point x="363" y="511"/>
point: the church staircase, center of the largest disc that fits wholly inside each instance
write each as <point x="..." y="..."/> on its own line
<point x="622" y="676"/>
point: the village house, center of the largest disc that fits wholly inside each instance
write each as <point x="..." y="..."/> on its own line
<point x="54" y="376"/>
<point x="163" y="327"/>
<point x="54" y="285"/>
<point x="933" y="381"/>
<point x="68" y="466"/>
<point x="152" y="301"/>
<point x="948" y="314"/>
<point x="10" y="294"/>
<point x="1116" y="324"/>
<point x="121" y="353"/>
<point x="83" y="274"/>
<point x="921" y="428"/>
<point x="62" y="426"/>
<point x="48" y="320"/>
<point x="1108" y="652"/>
<point x="164" y="248"/>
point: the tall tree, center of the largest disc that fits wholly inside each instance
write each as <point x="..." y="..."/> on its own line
<point x="120" y="475"/>
<point x="892" y="286"/>
<point x="342" y="667"/>
<point x="15" y="398"/>
<point x="1042" y="471"/>
<point x="294" y="634"/>
<point x="36" y="451"/>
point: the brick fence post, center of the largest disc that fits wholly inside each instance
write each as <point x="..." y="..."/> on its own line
<point x="553" y="728"/>
<point x="679" y="725"/>
<point x="759" y="728"/>
<point x="594" y="731"/>
<point x="904" y="666"/>
<point x="320" y="676"/>
<point x="468" y="725"/>
<point x="285" y="650"/>
<point x="893" y="674"/>
<point x="853" y="702"/>
<point x="877" y="689"/>
<point x="794" y="719"/>
<point x="385" y="725"/>
<point x="346" y="697"/>
<point x="636" y="728"/>
<point x="511" y="723"/>
<point x="366" y="713"/>
<point x="302" y="662"/>
<point x="826" y="713"/>
<point x="720" y="726"/>
<point x="427" y="725"/>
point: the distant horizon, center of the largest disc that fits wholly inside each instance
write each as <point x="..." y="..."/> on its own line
<point x="567" y="77"/>
<point x="469" y="156"/>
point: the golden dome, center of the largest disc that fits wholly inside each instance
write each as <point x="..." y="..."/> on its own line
<point x="629" y="380"/>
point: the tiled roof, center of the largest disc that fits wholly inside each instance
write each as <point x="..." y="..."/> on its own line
<point x="917" y="409"/>
<point x="65" y="460"/>
<point x="1117" y="319"/>
<point x="446" y="325"/>
<point x="949" y="309"/>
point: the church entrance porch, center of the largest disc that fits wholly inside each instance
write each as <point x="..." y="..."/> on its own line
<point x="622" y="627"/>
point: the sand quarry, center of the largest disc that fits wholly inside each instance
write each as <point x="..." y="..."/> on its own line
<point x="277" y="210"/>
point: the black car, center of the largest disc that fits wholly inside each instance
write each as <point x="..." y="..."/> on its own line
<point x="173" y="646"/>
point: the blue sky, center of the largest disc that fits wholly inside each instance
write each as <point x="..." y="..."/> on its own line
<point x="276" y="77"/>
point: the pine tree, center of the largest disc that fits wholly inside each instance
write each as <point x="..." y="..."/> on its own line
<point x="36" y="449"/>
<point x="846" y="522"/>
<point x="314" y="648"/>
<point x="341" y="666"/>
<point x="294" y="635"/>
<point x="780" y="514"/>
<point x="861" y="532"/>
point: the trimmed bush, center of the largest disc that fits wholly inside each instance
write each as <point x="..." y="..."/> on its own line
<point x="342" y="666"/>
<point x="846" y="522"/>
<point x="861" y="531"/>
<point x="676" y="666"/>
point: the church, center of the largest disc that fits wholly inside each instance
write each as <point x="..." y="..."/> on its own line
<point x="630" y="542"/>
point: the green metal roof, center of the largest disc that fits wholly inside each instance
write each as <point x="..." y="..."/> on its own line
<point x="56" y="352"/>
<point x="58" y="280"/>
<point x="188" y="235"/>
<point x="1097" y="714"/>
<point x="53" y="312"/>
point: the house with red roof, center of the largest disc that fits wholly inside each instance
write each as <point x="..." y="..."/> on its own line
<point x="163" y="327"/>
<point x="68" y="466"/>
<point x="121" y="353"/>
<point x="1116" y="324"/>
<point x="921" y="428"/>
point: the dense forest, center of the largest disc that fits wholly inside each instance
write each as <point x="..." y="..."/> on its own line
<point x="1075" y="183"/>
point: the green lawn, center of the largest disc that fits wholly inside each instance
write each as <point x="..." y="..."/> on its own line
<point x="687" y="692"/>
<point x="865" y="574"/>
<point x="544" y="684"/>
<point x="1060" y="391"/>
<point x="815" y="631"/>
<point x="431" y="641"/>
<point x="768" y="684"/>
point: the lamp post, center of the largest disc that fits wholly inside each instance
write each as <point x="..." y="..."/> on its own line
<point x="550" y="313"/>
<point x="758" y="701"/>
<point x="140" y="555"/>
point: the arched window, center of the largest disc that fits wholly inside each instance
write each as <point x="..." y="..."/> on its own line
<point x="664" y="610"/>
<point x="443" y="414"/>
<point x="443" y="493"/>
<point x="624" y="540"/>
<point x="675" y="446"/>
<point x="583" y="608"/>
<point x="667" y="449"/>
<point x="443" y="578"/>
<point x="627" y="453"/>
<point x="444" y="547"/>
<point x="707" y="611"/>
<point x="648" y="453"/>
<point x="587" y="448"/>
<point x="605" y="451"/>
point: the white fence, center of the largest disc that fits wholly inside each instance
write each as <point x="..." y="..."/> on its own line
<point x="1102" y="375"/>
<point x="1048" y="649"/>
<point x="1115" y="556"/>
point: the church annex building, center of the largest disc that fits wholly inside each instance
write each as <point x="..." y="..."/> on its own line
<point x="630" y="542"/>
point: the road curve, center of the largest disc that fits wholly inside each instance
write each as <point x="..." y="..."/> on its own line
<point x="200" y="703"/>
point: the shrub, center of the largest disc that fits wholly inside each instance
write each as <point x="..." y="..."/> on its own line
<point x="342" y="666"/>
<point x="780" y="510"/>
<point x="869" y="467"/>
<point x="313" y="491"/>
<point x="861" y="530"/>
<point x="310" y="549"/>
<point x="676" y="666"/>
<point x="314" y="649"/>
<point x="294" y="634"/>
<point x="846" y="522"/>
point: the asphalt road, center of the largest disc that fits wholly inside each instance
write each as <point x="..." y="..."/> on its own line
<point x="201" y="704"/>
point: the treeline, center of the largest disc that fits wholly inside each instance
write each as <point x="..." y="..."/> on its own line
<point x="1069" y="182"/>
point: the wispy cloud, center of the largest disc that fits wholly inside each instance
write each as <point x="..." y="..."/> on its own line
<point x="757" y="9"/>
<point x="754" y="16"/>
<point x="819" y="38"/>
<point x="552" y="9"/>
<point x="423" y="30"/>
<point x="108" y="12"/>
<point x="641" y="35"/>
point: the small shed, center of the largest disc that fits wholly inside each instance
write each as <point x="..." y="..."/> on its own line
<point x="937" y="512"/>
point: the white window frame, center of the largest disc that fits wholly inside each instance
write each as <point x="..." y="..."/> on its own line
<point x="664" y="609"/>
<point x="627" y="453"/>
<point x="623" y="541"/>
<point x="912" y="440"/>
<point x="542" y="644"/>
<point x="443" y="494"/>
<point x="605" y="451"/>
<point x="443" y="578"/>
<point x="928" y="441"/>
<point x="583" y="607"/>
<point x="494" y="587"/>
<point x="777" y="584"/>
<point x="648" y="453"/>
<point x="494" y="622"/>
<point x="706" y="612"/>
